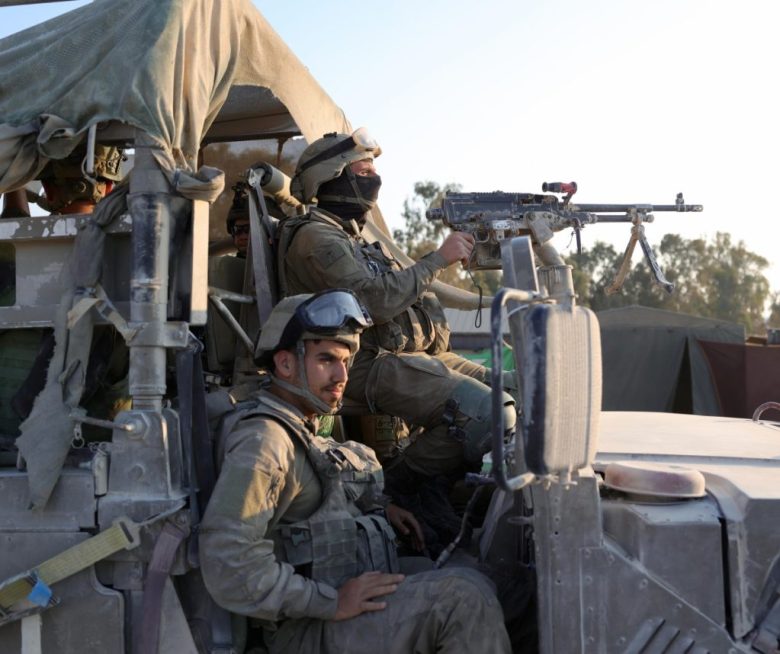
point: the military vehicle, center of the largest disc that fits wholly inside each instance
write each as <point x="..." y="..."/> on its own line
<point x="647" y="532"/>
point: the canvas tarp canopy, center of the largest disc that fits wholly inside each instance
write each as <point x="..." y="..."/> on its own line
<point x="653" y="361"/>
<point x="172" y="68"/>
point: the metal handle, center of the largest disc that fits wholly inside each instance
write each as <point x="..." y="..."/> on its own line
<point x="766" y="405"/>
<point x="496" y="388"/>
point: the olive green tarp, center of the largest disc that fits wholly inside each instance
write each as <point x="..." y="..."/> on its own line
<point x="169" y="67"/>
<point x="652" y="360"/>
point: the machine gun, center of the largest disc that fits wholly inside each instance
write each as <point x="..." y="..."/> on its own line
<point x="493" y="218"/>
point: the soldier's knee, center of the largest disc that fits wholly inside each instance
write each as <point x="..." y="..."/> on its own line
<point x="470" y="417"/>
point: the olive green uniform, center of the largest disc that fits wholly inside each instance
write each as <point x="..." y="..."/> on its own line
<point x="265" y="554"/>
<point x="403" y="367"/>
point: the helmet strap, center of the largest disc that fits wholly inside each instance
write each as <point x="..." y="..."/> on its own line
<point x="302" y="389"/>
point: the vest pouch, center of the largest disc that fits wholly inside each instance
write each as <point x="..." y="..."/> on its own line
<point x="375" y="545"/>
<point x="323" y="547"/>
<point x="390" y="336"/>
<point x="296" y="540"/>
<point x="418" y="328"/>
<point x="334" y="547"/>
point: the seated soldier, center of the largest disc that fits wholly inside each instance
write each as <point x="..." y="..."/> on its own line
<point x="238" y="216"/>
<point x="405" y="366"/>
<point x="295" y="535"/>
<point x="238" y="220"/>
<point x="66" y="189"/>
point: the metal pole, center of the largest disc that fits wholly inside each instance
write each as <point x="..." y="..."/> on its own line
<point x="149" y="203"/>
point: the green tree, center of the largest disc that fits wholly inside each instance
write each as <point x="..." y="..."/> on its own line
<point x="420" y="235"/>
<point x="714" y="278"/>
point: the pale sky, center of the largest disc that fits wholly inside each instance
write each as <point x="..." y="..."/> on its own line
<point x="633" y="100"/>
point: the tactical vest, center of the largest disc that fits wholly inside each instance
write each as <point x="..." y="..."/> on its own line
<point x="420" y="328"/>
<point x="337" y="542"/>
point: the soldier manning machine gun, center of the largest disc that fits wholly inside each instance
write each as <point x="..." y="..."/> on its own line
<point x="494" y="218"/>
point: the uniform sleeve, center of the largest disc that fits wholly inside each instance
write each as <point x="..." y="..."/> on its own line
<point x="321" y="257"/>
<point x="239" y="566"/>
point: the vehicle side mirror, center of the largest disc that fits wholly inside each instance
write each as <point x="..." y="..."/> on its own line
<point x="559" y="357"/>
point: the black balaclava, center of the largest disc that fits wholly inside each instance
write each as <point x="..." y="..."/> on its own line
<point x="350" y="196"/>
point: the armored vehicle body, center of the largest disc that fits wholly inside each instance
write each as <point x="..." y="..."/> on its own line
<point x="647" y="532"/>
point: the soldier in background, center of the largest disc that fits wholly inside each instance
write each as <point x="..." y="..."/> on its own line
<point x="66" y="188"/>
<point x="295" y="534"/>
<point x="405" y="367"/>
<point x="66" y="191"/>
<point x="237" y="221"/>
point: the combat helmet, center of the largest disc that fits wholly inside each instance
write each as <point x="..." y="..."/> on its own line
<point x="71" y="181"/>
<point x="335" y="315"/>
<point x="326" y="158"/>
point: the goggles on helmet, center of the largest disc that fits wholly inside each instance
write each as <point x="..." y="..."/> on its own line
<point x="359" y="140"/>
<point x="326" y="313"/>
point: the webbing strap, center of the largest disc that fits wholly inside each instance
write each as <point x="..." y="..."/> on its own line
<point x="159" y="568"/>
<point x="124" y="534"/>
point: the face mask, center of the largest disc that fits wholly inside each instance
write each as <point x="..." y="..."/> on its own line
<point x="349" y="196"/>
<point x="369" y="189"/>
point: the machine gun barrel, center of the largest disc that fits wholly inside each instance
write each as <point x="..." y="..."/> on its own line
<point x="624" y="208"/>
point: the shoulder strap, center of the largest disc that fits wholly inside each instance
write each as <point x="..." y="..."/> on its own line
<point x="288" y="228"/>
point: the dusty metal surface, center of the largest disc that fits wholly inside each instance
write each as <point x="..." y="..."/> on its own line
<point x="89" y="617"/>
<point x="72" y="506"/>
<point x="744" y="452"/>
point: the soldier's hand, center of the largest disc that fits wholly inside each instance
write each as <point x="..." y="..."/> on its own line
<point x="406" y="524"/>
<point x="457" y="247"/>
<point x="356" y="595"/>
